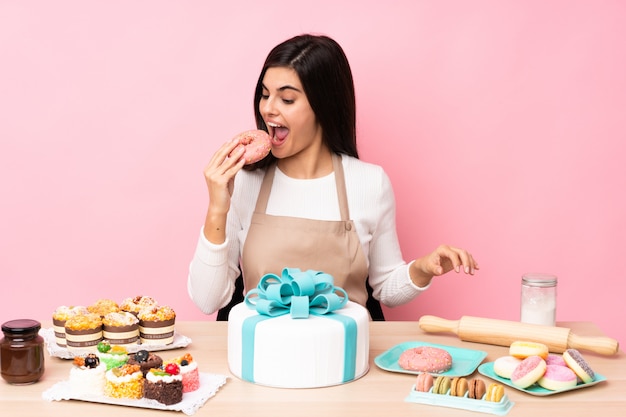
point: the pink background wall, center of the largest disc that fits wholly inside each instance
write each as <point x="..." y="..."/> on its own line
<point x="501" y="125"/>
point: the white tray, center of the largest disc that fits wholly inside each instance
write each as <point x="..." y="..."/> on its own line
<point x="55" y="350"/>
<point x="500" y="408"/>
<point x="192" y="401"/>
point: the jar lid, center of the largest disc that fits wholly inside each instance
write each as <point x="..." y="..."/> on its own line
<point x="539" y="280"/>
<point x="21" y="326"/>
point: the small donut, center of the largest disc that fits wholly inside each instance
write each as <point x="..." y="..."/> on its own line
<point x="425" y="359"/>
<point x="257" y="145"/>
<point x="424" y="382"/>
<point x="576" y="363"/>
<point x="557" y="378"/>
<point x="554" y="359"/>
<point x="477" y="389"/>
<point x="442" y="385"/>
<point x="528" y="371"/>
<point x="458" y="387"/>
<point x="505" y="365"/>
<point x="523" y="349"/>
<point x="495" y="392"/>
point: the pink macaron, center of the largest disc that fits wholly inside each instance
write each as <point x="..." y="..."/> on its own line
<point x="424" y="382"/>
<point x="529" y="371"/>
<point x="557" y="378"/>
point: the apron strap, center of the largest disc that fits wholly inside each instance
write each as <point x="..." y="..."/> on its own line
<point x="340" y="184"/>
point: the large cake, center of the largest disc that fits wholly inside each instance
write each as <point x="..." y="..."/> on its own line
<point x="298" y="331"/>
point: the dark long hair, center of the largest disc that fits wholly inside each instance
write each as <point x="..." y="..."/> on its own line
<point x="326" y="78"/>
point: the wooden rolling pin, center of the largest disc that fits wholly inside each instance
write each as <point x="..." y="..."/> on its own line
<point x="503" y="333"/>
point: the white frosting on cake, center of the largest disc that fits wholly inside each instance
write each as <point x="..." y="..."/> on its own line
<point x="152" y="377"/>
<point x="115" y="379"/>
<point x="192" y="366"/>
<point x="299" y="353"/>
<point x="87" y="380"/>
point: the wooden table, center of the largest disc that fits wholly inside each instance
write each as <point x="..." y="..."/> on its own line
<point x="379" y="393"/>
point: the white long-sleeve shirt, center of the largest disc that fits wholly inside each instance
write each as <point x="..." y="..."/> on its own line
<point x="214" y="268"/>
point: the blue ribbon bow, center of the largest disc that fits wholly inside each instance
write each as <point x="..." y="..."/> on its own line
<point x="296" y="292"/>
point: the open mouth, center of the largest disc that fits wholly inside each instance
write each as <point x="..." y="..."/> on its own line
<point x="278" y="133"/>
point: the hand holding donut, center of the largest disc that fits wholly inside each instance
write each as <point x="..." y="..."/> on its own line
<point x="245" y="148"/>
<point x="442" y="260"/>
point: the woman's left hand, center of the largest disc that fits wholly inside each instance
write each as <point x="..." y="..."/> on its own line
<point x="442" y="260"/>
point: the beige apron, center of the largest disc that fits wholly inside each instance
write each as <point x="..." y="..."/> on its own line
<point x="277" y="242"/>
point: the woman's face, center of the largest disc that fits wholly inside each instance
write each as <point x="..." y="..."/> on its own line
<point x="288" y="115"/>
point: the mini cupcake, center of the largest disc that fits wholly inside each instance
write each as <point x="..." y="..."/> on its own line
<point x="165" y="386"/>
<point x="103" y="307"/>
<point x="156" y="325"/>
<point x="83" y="332"/>
<point x="124" y="382"/>
<point x="60" y="316"/>
<point x="120" y="328"/>
<point x="188" y="370"/>
<point x="136" y="304"/>
<point x="87" y="375"/>
<point x="146" y="360"/>
<point x="112" y="356"/>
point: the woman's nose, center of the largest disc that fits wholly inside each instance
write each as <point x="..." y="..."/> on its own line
<point x="266" y="106"/>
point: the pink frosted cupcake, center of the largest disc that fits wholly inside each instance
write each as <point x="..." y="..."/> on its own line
<point x="188" y="370"/>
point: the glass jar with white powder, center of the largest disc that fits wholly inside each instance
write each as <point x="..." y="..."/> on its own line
<point x="538" y="299"/>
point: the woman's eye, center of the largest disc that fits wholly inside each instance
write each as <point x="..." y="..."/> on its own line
<point x="286" y="101"/>
<point x="264" y="96"/>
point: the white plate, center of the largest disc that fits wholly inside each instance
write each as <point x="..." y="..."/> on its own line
<point x="55" y="350"/>
<point x="192" y="401"/>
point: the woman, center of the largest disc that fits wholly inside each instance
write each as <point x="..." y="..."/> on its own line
<point x="311" y="203"/>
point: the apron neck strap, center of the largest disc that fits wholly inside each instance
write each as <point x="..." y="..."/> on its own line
<point x="340" y="183"/>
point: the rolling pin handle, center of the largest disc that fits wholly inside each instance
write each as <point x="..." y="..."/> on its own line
<point x="435" y="324"/>
<point x="598" y="344"/>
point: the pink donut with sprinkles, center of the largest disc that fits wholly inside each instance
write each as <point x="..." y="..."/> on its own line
<point x="257" y="145"/>
<point x="425" y="359"/>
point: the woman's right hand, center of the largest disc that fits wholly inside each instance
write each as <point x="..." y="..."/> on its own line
<point x="219" y="175"/>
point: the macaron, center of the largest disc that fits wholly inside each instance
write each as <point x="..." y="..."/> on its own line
<point x="424" y="382"/>
<point x="577" y="363"/>
<point x="558" y="378"/>
<point x="528" y="371"/>
<point x="476" y="389"/>
<point x="458" y="387"/>
<point x="495" y="392"/>
<point x="442" y="385"/>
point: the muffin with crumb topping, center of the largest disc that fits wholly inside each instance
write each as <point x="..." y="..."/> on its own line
<point x="135" y="304"/>
<point x="103" y="306"/>
<point x="156" y="325"/>
<point x="60" y="316"/>
<point x="83" y="332"/>
<point x="121" y="328"/>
